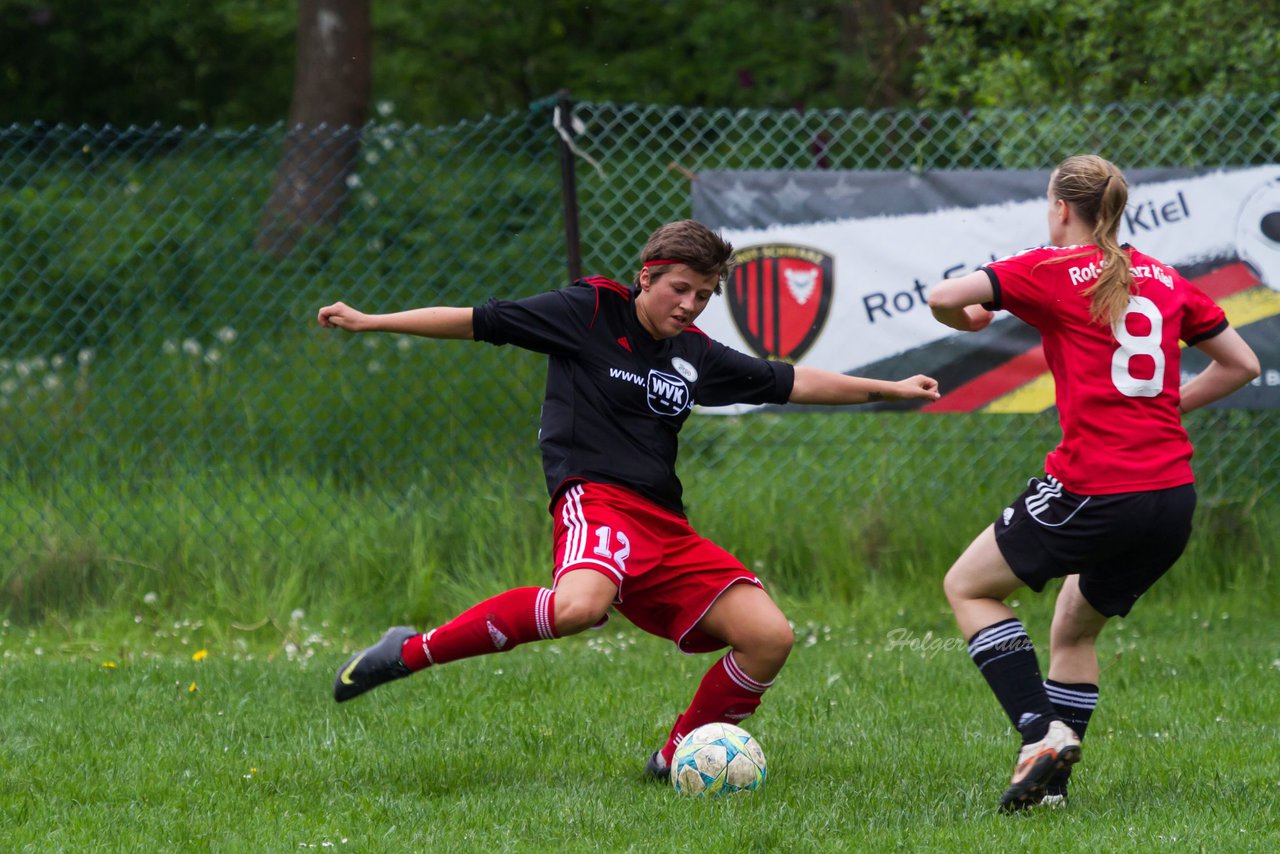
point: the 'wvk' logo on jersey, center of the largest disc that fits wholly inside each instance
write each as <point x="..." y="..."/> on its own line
<point x="779" y="297"/>
<point x="668" y="394"/>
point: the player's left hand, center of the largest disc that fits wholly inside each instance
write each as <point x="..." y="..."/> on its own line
<point x="918" y="387"/>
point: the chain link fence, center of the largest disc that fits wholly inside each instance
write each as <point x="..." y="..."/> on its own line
<point x="162" y="377"/>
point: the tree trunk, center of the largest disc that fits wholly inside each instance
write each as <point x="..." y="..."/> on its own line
<point x="330" y="101"/>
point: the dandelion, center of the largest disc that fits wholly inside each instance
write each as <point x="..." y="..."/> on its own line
<point x="191" y="689"/>
<point x="297" y="614"/>
<point x="151" y="598"/>
<point x="109" y="665"/>
<point x="200" y="655"/>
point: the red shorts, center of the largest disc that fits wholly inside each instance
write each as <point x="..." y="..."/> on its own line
<point x="668" y="575"/>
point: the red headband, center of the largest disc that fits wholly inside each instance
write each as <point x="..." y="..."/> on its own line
<point x="661" y="263"/>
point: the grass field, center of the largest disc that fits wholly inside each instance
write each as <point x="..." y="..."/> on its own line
<point x="173" y="735"/>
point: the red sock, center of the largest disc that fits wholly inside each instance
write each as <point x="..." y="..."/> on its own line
<point x="495" y="625"/>
<point x="726" y="694"/>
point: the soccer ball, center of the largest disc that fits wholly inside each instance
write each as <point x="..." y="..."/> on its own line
<point x="717" y="759"/>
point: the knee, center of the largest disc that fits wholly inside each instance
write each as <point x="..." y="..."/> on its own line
<point x="956" y="587"/>
<point x="773" y="641"/>
<point x="575" y="614"/>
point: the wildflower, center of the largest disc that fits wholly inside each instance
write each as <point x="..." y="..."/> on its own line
<point x="191" y="689"/>
<point x="191" y="347"/>
<point x="109" y="665"/>
<point x="200" y="655"/>
<point x="151" y="598"/>
<point x="226" y="335"/>
<point x="169" y="347"/>
<point x="84" y="357"/>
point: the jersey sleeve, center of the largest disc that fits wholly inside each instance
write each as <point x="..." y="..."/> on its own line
<point x="1015" y="289"/>
<point x="1204" y="317"/>
<point x="729" y="376"/>
<point x="553" y="323"/>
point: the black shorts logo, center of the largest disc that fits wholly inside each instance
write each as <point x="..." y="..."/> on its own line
<point x="779" y="297"/>
<point x="668" y="393"/>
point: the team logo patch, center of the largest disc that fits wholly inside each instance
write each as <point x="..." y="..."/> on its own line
<point x="684" y="369"/>
<point x="668" y="394"/>
<point x="779" y="297"/>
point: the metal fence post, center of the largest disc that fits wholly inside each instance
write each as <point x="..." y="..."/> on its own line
<point x="568" y="184"/>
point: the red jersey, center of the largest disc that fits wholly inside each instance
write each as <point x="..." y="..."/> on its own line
<point x="1116" y="387"/>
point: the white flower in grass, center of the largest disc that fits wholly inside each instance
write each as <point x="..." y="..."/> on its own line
<point x="51" y="381"/>
<point x="384" y="108"/>
<point x="403" y="344"/>
<point x="22" y="369"/>
<point x="5" y="365"/>
<point x="371" y="157"/>
<point x="213" y="357"/>
<point x="151" y="598"/>
<point x="169" y="347"/>
<point x="9" y="386"/>
<point x="353" y="181"/>
<point x="84" y="357"/>
<point x="191" y="347"/>
<point x="374" y="367"/>
<point x="57" y="362"/>
<point x="226" y="335"/>
<point x="297" y="614"/>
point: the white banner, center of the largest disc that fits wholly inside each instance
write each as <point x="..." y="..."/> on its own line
<point x="846" y="291"/>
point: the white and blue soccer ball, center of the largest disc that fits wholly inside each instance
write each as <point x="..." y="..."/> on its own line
<point x="717" y="759"/>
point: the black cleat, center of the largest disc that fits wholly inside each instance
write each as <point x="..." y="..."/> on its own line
<point x="657" y="769"/>
<point x="371" y="667"/>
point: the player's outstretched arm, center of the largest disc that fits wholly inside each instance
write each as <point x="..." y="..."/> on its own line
<point x="1234" y="364"/>
<point x="814" y="385"/>
<point x="432" y="322"/>
<point x="958" y="302"/>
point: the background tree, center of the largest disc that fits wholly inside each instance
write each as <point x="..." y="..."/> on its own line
<point x="330" y="103"/>
<point x="1030" y="53"/>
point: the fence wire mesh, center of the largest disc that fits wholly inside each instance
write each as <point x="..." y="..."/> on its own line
<point x="160" y="363"/>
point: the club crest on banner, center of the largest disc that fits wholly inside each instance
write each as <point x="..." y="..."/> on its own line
<point x="779" y="298"/>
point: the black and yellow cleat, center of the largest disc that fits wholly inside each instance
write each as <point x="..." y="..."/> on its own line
<point x="371" y="667"/>
<point x="657" y="769"/>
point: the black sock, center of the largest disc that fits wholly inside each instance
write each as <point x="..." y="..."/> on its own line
<point x="1074" y="703"/>
<point x="1006" y="658"/>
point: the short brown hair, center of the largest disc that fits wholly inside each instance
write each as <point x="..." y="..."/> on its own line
<point x="693" y="244"/>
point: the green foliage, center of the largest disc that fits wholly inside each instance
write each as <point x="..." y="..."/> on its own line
<point x="226" y="62"/>
<point x="1036" y="53"/>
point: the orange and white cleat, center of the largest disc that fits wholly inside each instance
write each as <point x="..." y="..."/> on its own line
<point x="1037" y="764"/>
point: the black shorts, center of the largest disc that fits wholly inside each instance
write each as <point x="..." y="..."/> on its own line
<point x="1119" y="544"/>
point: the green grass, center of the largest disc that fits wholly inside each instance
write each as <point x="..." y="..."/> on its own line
<point x="871" y="745"/>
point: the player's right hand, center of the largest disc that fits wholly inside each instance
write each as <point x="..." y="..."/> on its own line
<point x="341" y="316"/>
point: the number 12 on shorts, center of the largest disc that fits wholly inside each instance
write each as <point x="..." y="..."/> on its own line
<point x="605" y="537"/>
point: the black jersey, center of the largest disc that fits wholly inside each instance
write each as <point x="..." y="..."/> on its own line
<point x="616" y="398"/>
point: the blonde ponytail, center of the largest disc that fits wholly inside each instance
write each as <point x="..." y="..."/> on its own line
<point x="1098" y="191"/>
